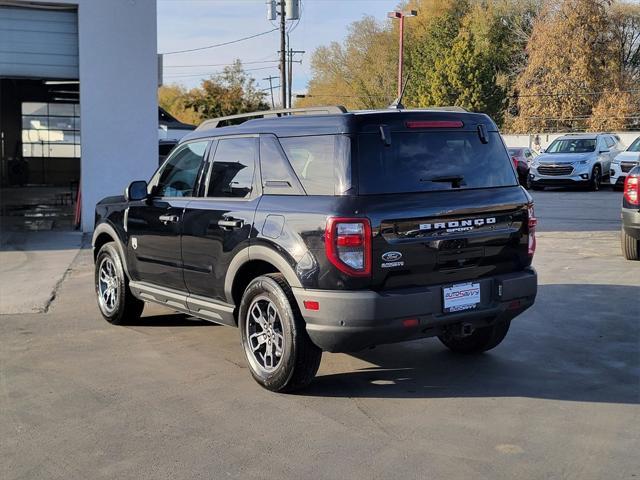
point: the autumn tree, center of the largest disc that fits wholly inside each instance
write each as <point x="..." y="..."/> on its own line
<point x="172" y="99"/>
<point x="568" y="60"/>
<point x="614" y="111"/>
<point x="229" y="93"/>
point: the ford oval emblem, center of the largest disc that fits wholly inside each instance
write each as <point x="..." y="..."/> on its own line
<point x="391" y="256"/>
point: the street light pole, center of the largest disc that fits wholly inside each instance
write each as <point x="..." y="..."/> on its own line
<point x="401" y="16"/>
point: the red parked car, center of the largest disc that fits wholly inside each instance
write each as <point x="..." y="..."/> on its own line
<point x="522" y="158"/>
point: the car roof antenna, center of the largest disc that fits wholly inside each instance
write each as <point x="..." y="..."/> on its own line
<point x="397" y="103"/>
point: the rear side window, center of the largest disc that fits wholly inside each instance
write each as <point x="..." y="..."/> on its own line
<point x="277" y="176"/>
<point x="321" y="162"/>
<point x="431" y="161"/>
<point x="609" y="141"/>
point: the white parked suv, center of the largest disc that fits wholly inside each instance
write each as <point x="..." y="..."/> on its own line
<point x="624" y="163"/>
<point x="576" y="159"/>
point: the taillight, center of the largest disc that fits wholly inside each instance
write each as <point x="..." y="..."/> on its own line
<point x="631" y="188"/>
<point x="348" y="245"/>
<point x="515" y="162"/>
<point x="533" y="222"/>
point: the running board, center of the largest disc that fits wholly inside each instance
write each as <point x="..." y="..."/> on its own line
<point x="201" y="307"/>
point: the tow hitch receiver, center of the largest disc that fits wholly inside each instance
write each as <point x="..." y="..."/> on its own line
<point x="466" y="329"/>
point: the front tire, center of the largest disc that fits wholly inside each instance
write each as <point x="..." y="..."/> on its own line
<point x="115" y="300"/>
<point x="630" y="246"/>
<point x="596" y="179"/>
<point x="481" y="340"/>
<point x="280" y="354"/>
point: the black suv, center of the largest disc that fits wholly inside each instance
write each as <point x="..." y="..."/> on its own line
<point x="323" y="229"/>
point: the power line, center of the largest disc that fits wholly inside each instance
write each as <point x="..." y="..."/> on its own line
<point x="220" y="64"/>
<point x="186" y="75"/>
<point x="220" y="44"/>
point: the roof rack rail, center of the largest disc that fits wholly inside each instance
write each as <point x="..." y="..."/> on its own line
<point x="328" y="110"/>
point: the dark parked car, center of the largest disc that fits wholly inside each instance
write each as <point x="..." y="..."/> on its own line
<point x="631" y="215"/>
<point x="324" y="229"/>
<point x="522" y="158"/>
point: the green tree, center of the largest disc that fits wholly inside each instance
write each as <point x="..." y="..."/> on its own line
<point x="430" y="38"/>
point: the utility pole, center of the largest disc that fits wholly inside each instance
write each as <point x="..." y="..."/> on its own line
<point x="401" y="16"/>
<point x="289" y="10"/>
<point x="283" y="53"/>
<point x="291" y="61"/>
<point x="270" y="79"/>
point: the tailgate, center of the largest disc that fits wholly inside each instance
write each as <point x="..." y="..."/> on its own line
<point x="450" y="236"/>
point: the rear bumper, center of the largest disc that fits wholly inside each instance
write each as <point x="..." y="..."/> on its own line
<point x="631" y="222"/>
<point x="352" y="320"/>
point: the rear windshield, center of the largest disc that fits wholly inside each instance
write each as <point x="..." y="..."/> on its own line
<point x="430" y="161"/>
<point x="572" y="145"/>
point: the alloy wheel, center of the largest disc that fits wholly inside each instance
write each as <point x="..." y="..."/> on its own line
<point x="108" y="285"/>
<point x="264" y="334"/>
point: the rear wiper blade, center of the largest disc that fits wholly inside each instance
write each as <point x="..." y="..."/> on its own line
<point x="455" y="180"/>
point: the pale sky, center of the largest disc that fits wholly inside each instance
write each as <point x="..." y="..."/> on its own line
<point x="185" y="24"/>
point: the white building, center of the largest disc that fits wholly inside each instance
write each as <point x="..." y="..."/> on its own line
<point x="78" y="83"/>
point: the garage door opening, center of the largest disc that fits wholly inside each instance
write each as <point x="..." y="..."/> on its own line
<point x="39" y="117"/>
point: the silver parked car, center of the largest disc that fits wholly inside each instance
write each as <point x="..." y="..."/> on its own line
<point x="623" y="163"/>
<point x="576" y="159"/>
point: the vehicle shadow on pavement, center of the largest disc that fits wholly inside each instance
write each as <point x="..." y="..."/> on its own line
<point x="170" y="320"/>
<point x="559" y="349"/>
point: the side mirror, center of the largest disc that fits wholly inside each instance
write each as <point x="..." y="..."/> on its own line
<point x="136" y="191"/>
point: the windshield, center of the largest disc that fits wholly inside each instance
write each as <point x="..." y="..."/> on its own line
<point x="635" y="146"/>
<point x="572" y="145"/>
<point x="429" y="161"/>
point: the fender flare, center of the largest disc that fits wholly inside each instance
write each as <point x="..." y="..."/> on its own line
<point x="109" y="230"/>
<point x="258" y="252"/>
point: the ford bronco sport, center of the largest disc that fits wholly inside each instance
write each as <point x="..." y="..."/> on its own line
<point x="323" y="229"/>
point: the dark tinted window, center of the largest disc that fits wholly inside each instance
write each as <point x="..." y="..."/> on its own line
<point x="233" y="168"/>
<point x="178" y="177"/>
<point x="321" y="162"/>
<point x="427" y="161"/>
<point x="277" y="178"/>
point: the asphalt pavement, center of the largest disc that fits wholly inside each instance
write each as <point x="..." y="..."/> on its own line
<point x="171" y="397"/>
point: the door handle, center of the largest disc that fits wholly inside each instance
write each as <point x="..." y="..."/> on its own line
<point x="230" y="223"/>
<point x="169" y="219"/>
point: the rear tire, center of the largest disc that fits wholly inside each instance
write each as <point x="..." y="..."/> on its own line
<point x="115" y="300"/>
<point x="630" y="246"/>
<point x="280" y="354"/>
<point x="481" y="340"/>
